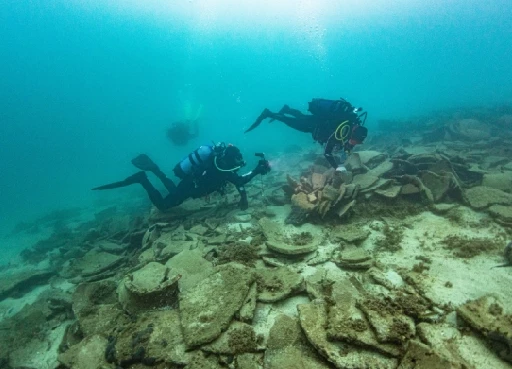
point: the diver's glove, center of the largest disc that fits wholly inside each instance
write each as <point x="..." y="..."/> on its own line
<point x="263" y="167"/>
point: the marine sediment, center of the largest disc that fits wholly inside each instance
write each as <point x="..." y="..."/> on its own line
<point x="387" y="267"/>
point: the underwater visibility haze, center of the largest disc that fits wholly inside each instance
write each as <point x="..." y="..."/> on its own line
<point x="355" y="238"/>
<point x="87" y="85"/>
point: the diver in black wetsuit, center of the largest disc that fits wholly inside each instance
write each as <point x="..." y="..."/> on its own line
<point x="180" y="132"/>
<point x="333" y="123"/>
<point x="206" y="170"/>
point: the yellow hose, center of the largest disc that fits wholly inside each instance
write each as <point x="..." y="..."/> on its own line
<point x="344" y="135"/>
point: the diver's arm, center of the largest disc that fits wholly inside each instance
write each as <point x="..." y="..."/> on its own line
<point x="329" y="147"/>
<point x="263" y="167"/>
<point x="239" y="182"/>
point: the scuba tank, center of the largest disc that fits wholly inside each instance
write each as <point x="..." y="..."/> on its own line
<point x="336" y="109"/>
<point x="195" y="162"/>
<point x="329" y="108"/>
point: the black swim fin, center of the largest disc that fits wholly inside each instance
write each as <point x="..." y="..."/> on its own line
<point x="135" y="178"/>
<point x="143" y="162"/>
<point x="264" y="115"/>
<point x="284" y="110"/>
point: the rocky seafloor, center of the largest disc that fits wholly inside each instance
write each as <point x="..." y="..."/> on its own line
<point x="399" y="263"/>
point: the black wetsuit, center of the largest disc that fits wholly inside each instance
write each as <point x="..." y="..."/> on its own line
<point x="206" y="177"/>
<point x="322" y="129"/>
<point x="199" y="186"/>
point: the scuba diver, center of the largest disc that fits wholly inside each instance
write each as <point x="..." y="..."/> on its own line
<point x="205" y="170"/>
<point x="333" y="123"/>
<point x="180" y="132"/>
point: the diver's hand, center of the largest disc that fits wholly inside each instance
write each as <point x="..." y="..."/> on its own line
<point x="263" y="167"/>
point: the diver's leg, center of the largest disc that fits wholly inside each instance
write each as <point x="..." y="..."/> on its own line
<point x="139" y="177"/>
<point x="290" y="111"/>
<point x="304" y="123"/>
<point x="143" y="162"/>
<point x="183" y="191"/>
<point x="154" y="195"/>
<point x="287" y="110"/>
<point x="169" y="184"/>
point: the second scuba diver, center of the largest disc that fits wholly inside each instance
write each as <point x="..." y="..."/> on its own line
<point x="202" y="172"/>
<point x="180" y="132"/>
<point x="333" y="123"/>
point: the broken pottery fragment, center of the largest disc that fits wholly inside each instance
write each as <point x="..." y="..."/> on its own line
<point x="371" y="158"/>
<point x="439" y="185"/>
<point x="421" y="356"/>
<point x="391" y="192"/>
<point x="249" y="361"/>
<point x="246" y="313"/>
<point x="409" y="189"/>
<point x="501" y="213"/>
<point x="239" y="338"/>
<point x="318" y="180"/>
<point x="152" y="287"/>
<point x="313" y="320"/>
<point x="192" y="266"/>
<point x="480" y="197"/>
<point x="290" y="240"/>
<point x="301" y="208"/>
<point x="469" y="130"/>
<point x="290" y="249"/>
<point x="208" y="308"/>
<point x="88" y="354"/>
<point x="96" y="262"/>
<point x="424" y="192"/>
<point x="354" y="259"/>
<point x="95" y="306"/>
<point x="277" y="284"/>
<point x="17" y="282"/>
<point x="112" y="247"/>
<point x="155" y="336"/>
<point x="321" y="193"/>
<point x="487" y="316"/>
<point x="449" y="342"/>
<point x="364" y="181"/>
<point x="500" y="181"/>
<point x="287" y="347"/>
<point x="345" y="209"/>
<point x="353" y="233"/>
<point x="390" y="325"/>
<point x="347" y="323"/>
<point x="382" y="169"/>
<point x="354" y="164"/>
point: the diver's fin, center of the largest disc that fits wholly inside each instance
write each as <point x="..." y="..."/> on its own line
<point x="264" y="115"/>
<point x="143" y="162"/>
<point x="254" y="125"/>
<point x="136" y="178"/>
<point x="284" y="110"/>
